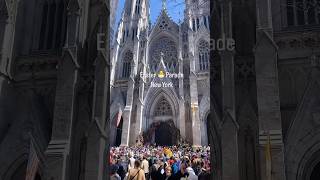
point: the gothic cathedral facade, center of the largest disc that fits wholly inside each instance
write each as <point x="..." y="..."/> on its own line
<point x="176" y="106"/>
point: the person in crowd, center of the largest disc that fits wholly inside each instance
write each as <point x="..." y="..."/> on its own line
<point x="168" y="173"/>
<point x="121" y="170"/>
<point x="160" y="171"/>
<point x="114" y="175"/>
<point x="154" y="170"/>
<point x="182" y="174"/>
<point x="176" y="166"/>
<point x="204" y="172"/>
<point x="131" y="161"/>
<point x="145" y="167"/>
<point x="191" y="172"/>
<point x="136" y="173"/>
<point x="183" y="161"/>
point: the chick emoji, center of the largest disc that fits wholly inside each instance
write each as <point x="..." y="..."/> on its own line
<point x="161" y="74"/>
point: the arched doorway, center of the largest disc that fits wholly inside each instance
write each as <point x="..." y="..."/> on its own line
<point x="119" y="133"/>
<point x="315" y="175"/>
<point x="163" y="135"/>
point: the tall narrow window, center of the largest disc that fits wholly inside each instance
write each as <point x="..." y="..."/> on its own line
<point x="123" y="35"/>
<point x="53" y="25"/>
<point x="43" y="25"/>
<point x="203" y="55"/>
<point x="290" y="13"/>
<point x="198" y="23"/>
<point x="126" y="69"/>
<point x="137" y="9"/>
<point x="300" y="12"/>
<point x="52" y="14"/>
<point x="205" y="21"/>
<point x="311" y="11"/>
<point x="60" y="21"/>
<point x="194" y="24"/>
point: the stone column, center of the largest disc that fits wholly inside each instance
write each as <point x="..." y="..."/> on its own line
<point x="266" y="59"/>
<point x="3" y="45"/>
<point x="269" y="107"/>
<point x="182" y="113"/>
<point x="196" y="131"/>
<point x="125" y="139"/>
<point x="57" y="153"/>
<point x="140" y="103"/>
<point x="96" y="161"/>
<point x="9" y="25"/>
<point x="229" y="126"/>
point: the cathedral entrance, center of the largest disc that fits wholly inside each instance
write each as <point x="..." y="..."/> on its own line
<point x="163" y="135"/>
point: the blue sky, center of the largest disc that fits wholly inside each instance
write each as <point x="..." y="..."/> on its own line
<point x="175" y="9"/>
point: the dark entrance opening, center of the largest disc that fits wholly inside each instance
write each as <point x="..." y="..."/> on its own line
<point x="163" y="135"/>
<point x="119" y="133"/>
<point x="315" y="175"/>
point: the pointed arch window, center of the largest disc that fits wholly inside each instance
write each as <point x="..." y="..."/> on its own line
<point x="198" y="23"/>
<point x="53" y="25"/>
<point x="194" y="24"/>
<point x="203" y="55"/>
<point x="163" y="108"/>
<point x="137" y="9"/>
<point x="205" y="21"/>
<point x="126" y="69"/>
<point x="166" y="46"/>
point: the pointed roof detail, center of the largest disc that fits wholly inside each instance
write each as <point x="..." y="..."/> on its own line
<point x="161" y="65"/>
<point x="164" y="23"/>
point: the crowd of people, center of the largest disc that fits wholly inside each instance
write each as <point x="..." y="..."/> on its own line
<point x="160" y="163"/>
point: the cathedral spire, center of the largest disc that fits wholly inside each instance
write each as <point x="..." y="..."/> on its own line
<point x="164" y="4"/>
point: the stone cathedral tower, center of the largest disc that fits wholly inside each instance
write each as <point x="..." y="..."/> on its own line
<point x="142" y="50"/>
<point x="53" y="92"/>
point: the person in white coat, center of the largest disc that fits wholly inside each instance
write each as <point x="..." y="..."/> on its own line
<point x="192" y="174"/>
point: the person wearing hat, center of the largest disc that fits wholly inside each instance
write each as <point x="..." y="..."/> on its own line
<point x="114" y="175"/>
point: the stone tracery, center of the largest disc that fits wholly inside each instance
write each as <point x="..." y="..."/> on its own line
<point x="163" y="108"/>
<point x="168" y="48"/>
<point x="203" y="55"/>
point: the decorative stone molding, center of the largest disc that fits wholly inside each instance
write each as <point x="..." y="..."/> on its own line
<point x="297" y="40"/>
<point x="41" y="65"/>
<point x="245" y="69"/>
